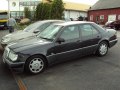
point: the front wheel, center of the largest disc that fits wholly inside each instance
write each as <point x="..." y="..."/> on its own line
<point x="35" y="64"/>
<point x="102" y="49"/>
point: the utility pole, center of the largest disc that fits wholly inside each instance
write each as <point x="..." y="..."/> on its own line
<point x="19" y="8"/>
<point x="8" y="8"/>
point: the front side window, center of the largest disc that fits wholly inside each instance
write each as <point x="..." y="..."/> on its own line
<point x="86" y="30"/>
<point x="70" y="32"/>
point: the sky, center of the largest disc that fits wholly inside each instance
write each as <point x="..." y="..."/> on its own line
<point x="4" y="4"/>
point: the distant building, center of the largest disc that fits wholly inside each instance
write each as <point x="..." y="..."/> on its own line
<point x="75" y="10"/>
<point x="17" y="6"/>
<point x="72" y="10"/>
<point x="104" y="10"/>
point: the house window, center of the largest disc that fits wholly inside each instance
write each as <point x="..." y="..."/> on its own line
<point x="112" y="17"/>
<point x="101" y="17"/>
<point x="91" y="17"/>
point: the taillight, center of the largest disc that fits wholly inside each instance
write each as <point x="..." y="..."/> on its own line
<point x="116" y="33"/>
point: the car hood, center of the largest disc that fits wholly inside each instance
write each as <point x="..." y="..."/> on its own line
<point x="28" y="42"/>
<point x="18" y="36"/>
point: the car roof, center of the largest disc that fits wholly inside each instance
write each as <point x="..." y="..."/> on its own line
<point x="45" y="21"/>
<point x="73" y="22"/>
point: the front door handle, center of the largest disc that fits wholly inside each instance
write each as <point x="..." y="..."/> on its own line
<point x="98" y="36"/>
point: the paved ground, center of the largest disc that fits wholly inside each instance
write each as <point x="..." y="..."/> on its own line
<point x="7" y="81"/>
<point x="87" y="73"/>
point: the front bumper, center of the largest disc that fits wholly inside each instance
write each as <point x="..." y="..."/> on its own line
<point x="113" y="42"/>
<point x="13" y="65"/>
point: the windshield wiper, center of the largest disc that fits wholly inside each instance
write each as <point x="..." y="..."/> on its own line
<point x="46" y="38"/>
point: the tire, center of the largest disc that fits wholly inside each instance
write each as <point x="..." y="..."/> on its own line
<point x="116" y="28"/>
<point x="35" y="64"/>
<point x="102" y="49"/>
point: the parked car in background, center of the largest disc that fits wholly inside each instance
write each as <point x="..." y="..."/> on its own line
<point x="113" y="24"/>
<point x="30" y="30"/>
<point x="58" y="43"/>
<point x="3" y="19"/>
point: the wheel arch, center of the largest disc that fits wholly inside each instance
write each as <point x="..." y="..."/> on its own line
<point x="43" y="56"/>
<point x="105" y="40"/>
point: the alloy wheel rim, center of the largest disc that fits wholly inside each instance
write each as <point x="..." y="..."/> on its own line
<point x="103" y="49"/>
<point x="36" y="65"/>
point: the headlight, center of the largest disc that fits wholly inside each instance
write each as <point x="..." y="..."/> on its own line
<point x="6" y="39"/>
<point x="13" y="56"/>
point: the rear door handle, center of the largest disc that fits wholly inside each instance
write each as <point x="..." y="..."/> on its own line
<point x="78" y="40"/>
<point x="98" y="36"/>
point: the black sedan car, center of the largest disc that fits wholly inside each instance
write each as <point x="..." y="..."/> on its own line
<point x="58" y="43"/>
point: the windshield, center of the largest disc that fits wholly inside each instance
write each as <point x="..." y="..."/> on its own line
<point x="3" y="16"/>
<point x="50" y="32"/>
<point x="33" y="27"/>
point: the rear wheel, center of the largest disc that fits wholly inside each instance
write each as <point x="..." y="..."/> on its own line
<point x="35" y="64"/>
<point x="102" y="49"/>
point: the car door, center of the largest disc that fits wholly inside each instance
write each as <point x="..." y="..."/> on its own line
<point x="90" y="38"/>
<point x="70" y="48"/>
<point x="96" y="36"/>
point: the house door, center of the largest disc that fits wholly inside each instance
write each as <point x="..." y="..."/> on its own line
<point x="97" y="19"/>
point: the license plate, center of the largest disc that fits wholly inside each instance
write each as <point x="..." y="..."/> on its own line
<point x="1" y="25"/>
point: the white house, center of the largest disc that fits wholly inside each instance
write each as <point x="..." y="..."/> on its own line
<point x="17" y="6"/>
<point x="75" y="10"/>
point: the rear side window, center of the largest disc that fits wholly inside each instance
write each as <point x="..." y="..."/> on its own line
<point x="94" y="31"/>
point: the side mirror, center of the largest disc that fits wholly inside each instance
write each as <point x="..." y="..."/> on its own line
<point x="36" y="31"/>
<point x="59" y="40"/>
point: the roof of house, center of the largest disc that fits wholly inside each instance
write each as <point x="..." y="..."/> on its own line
<point x="76" y="6"/>
<point x="106" y="4"/>
<point x="73" y="6"/>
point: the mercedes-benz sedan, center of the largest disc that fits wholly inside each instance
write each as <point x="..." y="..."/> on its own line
<point x="58" y="43"/>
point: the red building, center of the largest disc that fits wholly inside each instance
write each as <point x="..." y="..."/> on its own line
<point x="104" y="10"/>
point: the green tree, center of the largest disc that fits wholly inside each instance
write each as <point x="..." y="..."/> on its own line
<point x="57" y="9"/>
<point x="46" y="11"/>
<point x="42" y="11"/>
<point x="38" y="11"/>
<point x="27" y="12"/>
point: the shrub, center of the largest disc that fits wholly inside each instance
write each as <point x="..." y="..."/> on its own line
<point x="25" y="21"/>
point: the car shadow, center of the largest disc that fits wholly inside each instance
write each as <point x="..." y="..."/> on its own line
<point x="77" y="63"/>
